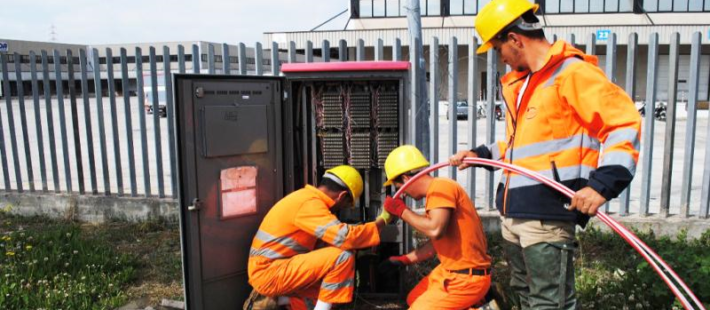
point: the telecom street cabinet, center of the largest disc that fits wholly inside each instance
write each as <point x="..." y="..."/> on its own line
<point x="244" y="142"/>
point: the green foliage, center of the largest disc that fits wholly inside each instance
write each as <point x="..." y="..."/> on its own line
<point x="612" y="275"/>
<point x="55" y="266"/>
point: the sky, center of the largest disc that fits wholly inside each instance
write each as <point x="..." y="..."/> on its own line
<point x="134" y="21"/>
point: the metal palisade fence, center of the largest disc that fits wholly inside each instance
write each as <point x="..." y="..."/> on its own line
<point x="87" y="132"/>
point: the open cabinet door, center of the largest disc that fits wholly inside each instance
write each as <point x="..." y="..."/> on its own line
<point x="229" y="144"/>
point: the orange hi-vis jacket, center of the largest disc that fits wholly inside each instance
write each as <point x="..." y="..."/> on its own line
<point x="296" y="222"/>
<point x="568" y="117"/>
<point x="283" y="260"/>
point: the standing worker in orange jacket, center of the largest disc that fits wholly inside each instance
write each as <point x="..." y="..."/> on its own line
<point x="455" y="231"/>
<point x="283" y="261"/>
<point x="561" y="109"/>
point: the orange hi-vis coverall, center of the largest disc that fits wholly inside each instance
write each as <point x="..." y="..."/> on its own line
<point x="283" y="260"/>
<point x="462" y="251"/>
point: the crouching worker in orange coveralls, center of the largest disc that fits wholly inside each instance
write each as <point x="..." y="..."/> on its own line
<point x="455" y="231"/>
<point x="283" y="261"/>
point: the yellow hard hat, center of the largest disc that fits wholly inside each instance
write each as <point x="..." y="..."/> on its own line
<point x="348" y="177"/>
<point x="496" y="15"/>
<point x="401" y="160"/>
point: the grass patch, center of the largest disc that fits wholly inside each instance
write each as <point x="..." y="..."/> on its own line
<point x="56" y="264"/>
<point x="56" y="267"/>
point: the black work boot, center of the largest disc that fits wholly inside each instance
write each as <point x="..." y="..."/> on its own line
<point x="551" y="275"/>
<point x="518" y="272"/>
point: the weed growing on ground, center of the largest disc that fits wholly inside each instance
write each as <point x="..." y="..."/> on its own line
<point x="55" y="266"/>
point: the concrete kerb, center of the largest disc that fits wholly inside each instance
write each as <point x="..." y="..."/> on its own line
<point x="92" y="209"/>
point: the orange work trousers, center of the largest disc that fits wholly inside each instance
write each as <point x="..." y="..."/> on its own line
<point x="442" y="289"/>
<point x="325" y="274"/>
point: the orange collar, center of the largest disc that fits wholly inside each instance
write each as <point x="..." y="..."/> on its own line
<point x="318" y="193"/>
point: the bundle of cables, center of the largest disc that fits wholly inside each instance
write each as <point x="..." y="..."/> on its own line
<point x="674" y="282"/>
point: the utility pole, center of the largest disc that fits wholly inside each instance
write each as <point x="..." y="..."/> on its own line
<point x="419" y="117"/>
<point x="53" y="34"/>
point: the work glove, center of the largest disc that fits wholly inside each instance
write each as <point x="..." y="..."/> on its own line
<point x="395" y="206"/>
<point x="393" y="263"/>
<point x="387" y="217"/>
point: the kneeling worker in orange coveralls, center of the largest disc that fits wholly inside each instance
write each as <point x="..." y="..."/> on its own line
<point x="283" y="261"/>
<point x="455" y="231"/>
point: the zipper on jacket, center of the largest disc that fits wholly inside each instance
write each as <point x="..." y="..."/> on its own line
<point x="514" y="122"/>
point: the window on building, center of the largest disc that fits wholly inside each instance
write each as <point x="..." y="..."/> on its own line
<point x="470" y="7"/>
<point x="581" y="5"/>
<point x="611" y="6"/>
<point x="552" y="7"/>
<point x="650" y="5"/>
<point x="680" y="5"/>
<point x="695" y="5"/>
<point x="456" y="7"/>
<point x="433" y="7"/>
<point x="567" y="7"/>
<point x="393" y="8"/>
<point x="595" y="7"/>
<point x="378" y="8"/>
<point x="365" y="8"/>
<point x="626" y="6"/>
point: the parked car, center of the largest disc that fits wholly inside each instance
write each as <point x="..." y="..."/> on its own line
<point x="461" y="110"/>
<point x="148" y="94"/>
<point x="148" y="102"/>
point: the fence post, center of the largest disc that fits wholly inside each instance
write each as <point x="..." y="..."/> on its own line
<point x="690" y="127"/>
<point x="309" y="51"/>
<point x="342" y="50"/>
<point x="210" y="59"/>
<point x="379" y="50"/>
<point x="141" y="115"/>
<point x="397" y="52"/>
<point x="243" y="59"/>
<point x="434" y="101"/>
<point x="100" y="114"/>
<point x="651" y="81"/>
<point x="75" y="121"/>
<point x="360" y="50"/>
<point x="62" y="120"/>
<point x="670" y="125"/>
<point x="181" y="59"/>
<point x="591" y="47"/>
<point x="275" y="61"/>
<point x="114" y="122"/>
<point x="571" y="39"/>
<point x="632" y="51"/>
<point x="492" y="73"/>
<point x="3" y="149"/>
<point x="453" y="100"/>
<point x="196" y="59"/>
<point x="38" y="119"/>
<point x="170" y="113"/>
<point x="258" y="59"/>
<point x="83" y="61"/>
<point x="226" y="63"/>
<point x="129" y="117"/>
<point x="23" y="122"/>
<point x="472" y="109"/>
<point x="292" y="52"/>
<point x="156" y="119"/>
<point x="325" y="51"/>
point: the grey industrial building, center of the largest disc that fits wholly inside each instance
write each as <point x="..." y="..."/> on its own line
<point x="375" y="21"/>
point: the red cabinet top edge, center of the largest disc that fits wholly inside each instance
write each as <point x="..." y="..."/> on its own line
<point x="348" y="66"/>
